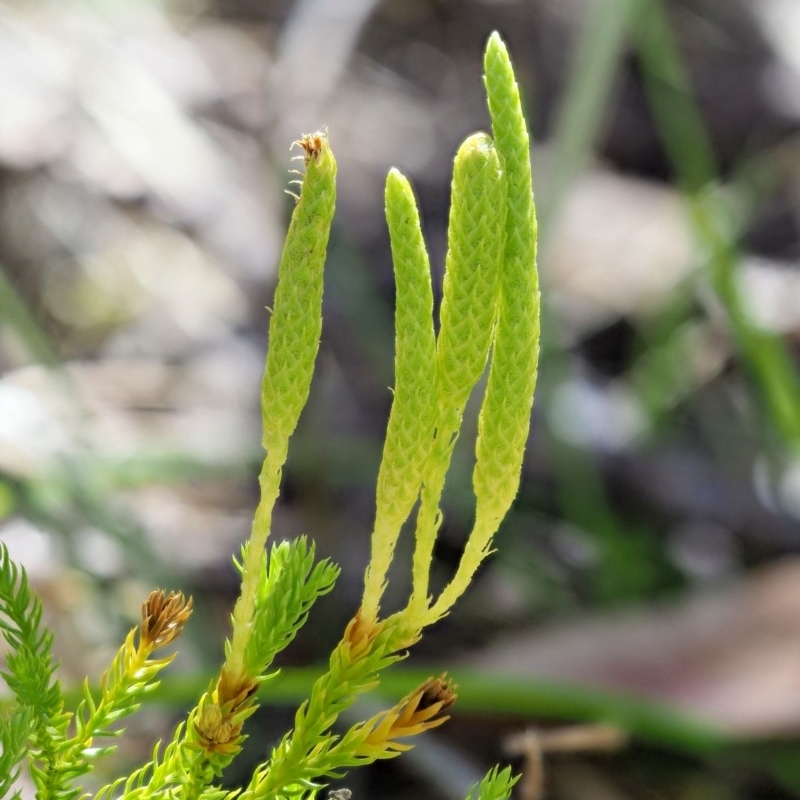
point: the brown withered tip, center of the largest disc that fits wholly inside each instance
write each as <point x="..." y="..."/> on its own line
<point x="439" y="691"/>
<point x="421" y="710"/>
<point x="218" y="733"/>
<point x="360" y="631"/>
<point x="233" y="691"/>
<point x="312" y="144"/>
<point x="163" y="617"/>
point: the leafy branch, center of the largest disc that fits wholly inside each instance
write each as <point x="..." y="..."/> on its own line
<point x="489" y="314"/>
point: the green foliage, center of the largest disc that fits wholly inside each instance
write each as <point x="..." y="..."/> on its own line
<point x="30" y="665"/>
<point x="296" y="322"/>
<point x="496" y="785"/>
<point x="60" y="746"/>
<point x="505" y="412"/>
<point x="289" y="585"/>
<point x="476" y="239"/>
<point x="15" y="729"/>
<point x="310" y="751"/>
<point x="30" y="675"/>
<point x="294" y="334"/>
<point x="410" y="429"/>
<point x="490" y="303"/>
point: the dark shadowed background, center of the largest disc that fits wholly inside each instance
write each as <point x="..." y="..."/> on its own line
<point x="651" y="560"/>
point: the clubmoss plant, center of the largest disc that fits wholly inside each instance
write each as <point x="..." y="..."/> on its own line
<point x="490" y="305"/>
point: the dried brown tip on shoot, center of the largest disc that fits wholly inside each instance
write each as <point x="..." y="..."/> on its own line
<point x="360" y="631"/>
<point x="218" y="733"/>
<point x="439" y="692"/>
<point x="312" y="143"/>
<point x="416" y="713"/>
<point x="423" y="708"/>
<point x="232" y="691"/>
<point x="222" y="714"/>
<point x="163" y="618"/>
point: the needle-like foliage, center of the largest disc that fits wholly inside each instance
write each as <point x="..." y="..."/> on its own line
<point x="490" y="306"/>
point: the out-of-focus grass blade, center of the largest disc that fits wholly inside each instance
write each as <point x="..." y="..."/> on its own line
<point x="15" y="313"/>
<point x="688" y="146"/>
<point x="522" y="697"/>
<point x="597" y="54"/>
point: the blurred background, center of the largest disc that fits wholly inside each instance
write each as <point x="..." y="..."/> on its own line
<point x="648" y="576"/>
